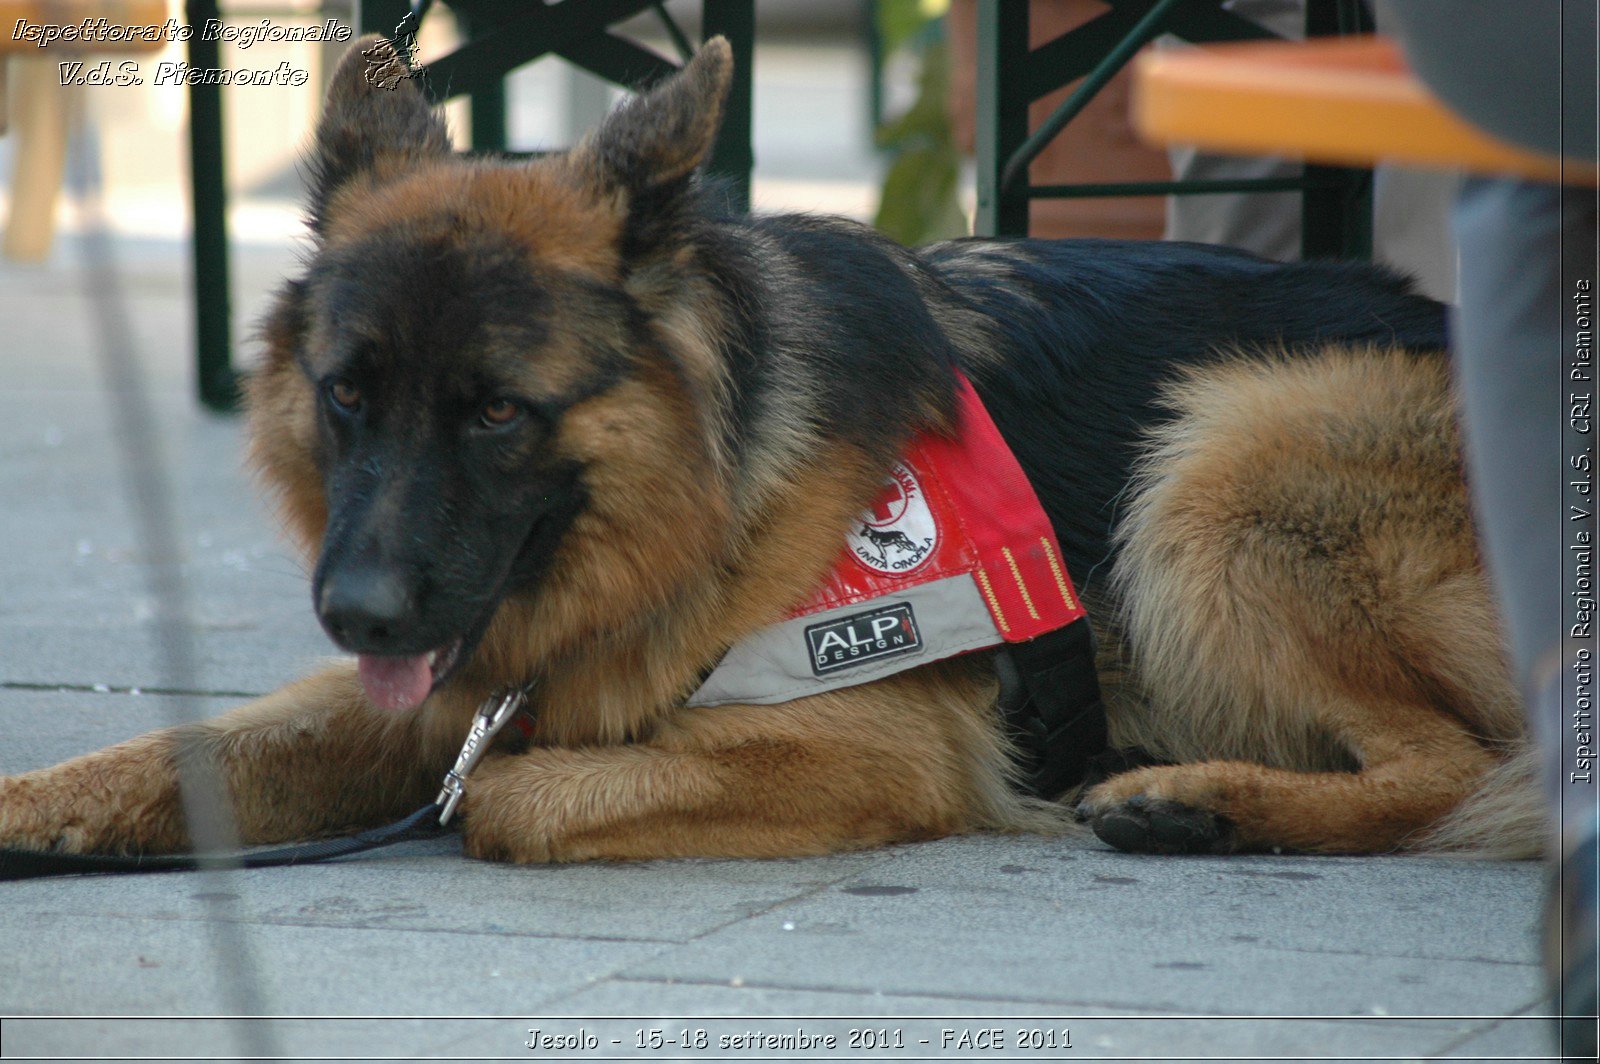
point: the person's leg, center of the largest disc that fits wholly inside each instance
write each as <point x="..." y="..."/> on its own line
<point x="1523" y="246"/>
<point x="1411" y="208"/>
<point x="1411" y="230"/>
<point x="1527" y="287"/>
<point x="1267" y="223"/>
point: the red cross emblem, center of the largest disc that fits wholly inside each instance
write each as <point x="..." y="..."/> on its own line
<point x="888" y="506"/>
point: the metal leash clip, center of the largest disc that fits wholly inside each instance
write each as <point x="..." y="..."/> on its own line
<point x="492" y="715"/>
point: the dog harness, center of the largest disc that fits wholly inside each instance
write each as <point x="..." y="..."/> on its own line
<point x="954" y="555"/>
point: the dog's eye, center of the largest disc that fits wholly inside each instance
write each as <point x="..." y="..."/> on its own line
<point x="344" y="395"/>
<point x="498" y="413"/>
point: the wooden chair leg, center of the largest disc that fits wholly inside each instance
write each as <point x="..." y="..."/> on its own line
<point x="41" y="111"/>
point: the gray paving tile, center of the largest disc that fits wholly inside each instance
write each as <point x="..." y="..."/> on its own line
<point x="1526" y="1037"/>
<point x="724" y="1010"/>
<point x="1052" y="921"/>
<point x="298" y="1039"/>
<point x="1361" y="905"/>
<point x="74" y="600"/>
<point x="50" y="339"/>
<point x="428" y="886"/>
<point x="110" y="965"/>
<point x="262" y="655"/>
<point x="619" y="1036"/>
<point x="42" y="728"/>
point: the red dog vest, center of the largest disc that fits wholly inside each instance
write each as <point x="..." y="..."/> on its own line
<point x="954" y="555"/>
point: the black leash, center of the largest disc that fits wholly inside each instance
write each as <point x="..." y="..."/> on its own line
<point x="429" y="822"/>
<point x="32" y="864"/>
<point x="1049" y="699"/>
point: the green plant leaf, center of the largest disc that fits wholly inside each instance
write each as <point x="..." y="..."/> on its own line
<point x="920" y="198"/>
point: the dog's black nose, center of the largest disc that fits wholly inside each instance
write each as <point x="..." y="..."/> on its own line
<point x="368" y="611"/>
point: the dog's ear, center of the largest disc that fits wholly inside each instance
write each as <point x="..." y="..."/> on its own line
<point x="652" y="143"/>
<point x="376" y="124"/>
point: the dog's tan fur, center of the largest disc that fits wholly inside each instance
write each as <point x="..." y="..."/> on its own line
<point x="1311" y="618"/>
<point x="1342" y="690"/>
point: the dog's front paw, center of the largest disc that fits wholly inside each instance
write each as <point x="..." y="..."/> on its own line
<point x="498" y="822"/>
<point x="1142" y="824"/>
<point x="487" y="840"/>
<point x="30" y="820"/>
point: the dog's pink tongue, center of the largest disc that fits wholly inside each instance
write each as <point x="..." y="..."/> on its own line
<point x="395" y="683"/>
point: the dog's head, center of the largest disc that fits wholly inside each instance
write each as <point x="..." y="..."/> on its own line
<point x="468" y="406"/>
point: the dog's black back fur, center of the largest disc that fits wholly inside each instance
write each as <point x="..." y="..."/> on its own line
<point x="834" y="307"/>
<point x="1092" y="329"/>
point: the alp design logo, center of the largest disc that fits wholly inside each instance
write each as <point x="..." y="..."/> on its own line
<point x="863" y="637"/>
<point x="898" y="531"/>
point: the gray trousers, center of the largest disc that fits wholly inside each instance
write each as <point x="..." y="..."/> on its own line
<point x="1523" y="347"/>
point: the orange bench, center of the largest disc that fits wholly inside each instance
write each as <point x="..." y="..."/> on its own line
<point x="1351" y="101"/>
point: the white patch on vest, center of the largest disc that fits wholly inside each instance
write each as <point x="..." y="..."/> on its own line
<point x="858" y="638"/>
<point x="897" y="533"/>
<point x="776" y="663"/>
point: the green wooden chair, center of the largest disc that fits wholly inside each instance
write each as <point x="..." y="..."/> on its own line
<point x="1336" y="201"/>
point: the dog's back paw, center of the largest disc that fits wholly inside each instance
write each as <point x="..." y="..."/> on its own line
<point x="1142" y="824"/>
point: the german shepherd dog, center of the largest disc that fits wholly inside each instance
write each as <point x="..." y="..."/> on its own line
<point x="563" y="421"/>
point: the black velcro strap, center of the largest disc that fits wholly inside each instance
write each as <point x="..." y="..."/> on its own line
<point x="1050" y="703"/>
<point x="30" y="864"/>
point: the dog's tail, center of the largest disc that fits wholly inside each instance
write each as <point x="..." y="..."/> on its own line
<point x="1504" y="819"/>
